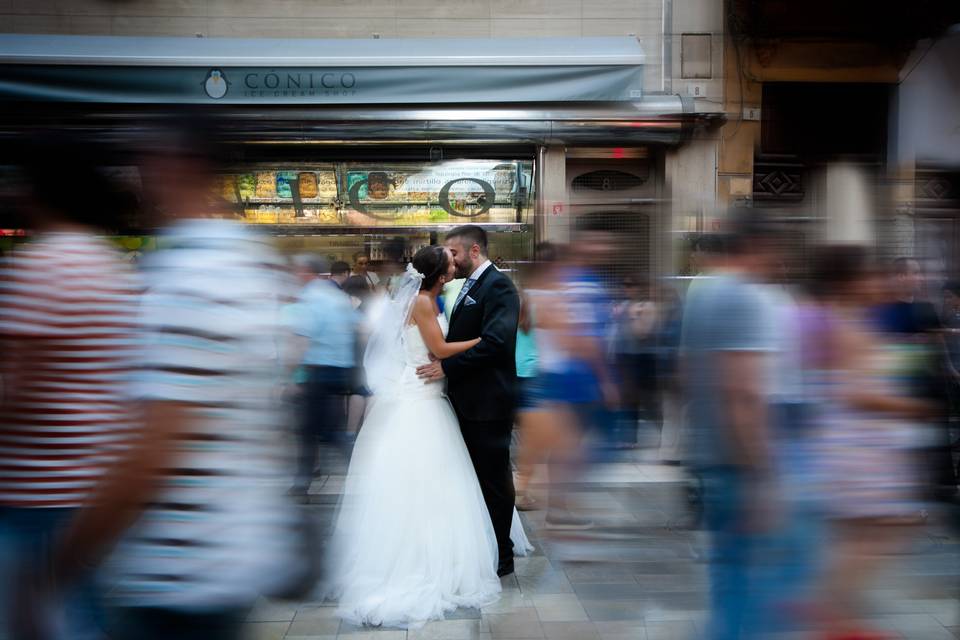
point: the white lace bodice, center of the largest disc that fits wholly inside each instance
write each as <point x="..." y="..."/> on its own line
<point x="417" y="354"/>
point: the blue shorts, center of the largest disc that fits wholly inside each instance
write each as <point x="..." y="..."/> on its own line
<point x="549" y="388"/>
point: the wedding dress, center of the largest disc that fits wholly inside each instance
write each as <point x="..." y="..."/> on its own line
<point x="413" y="539"/>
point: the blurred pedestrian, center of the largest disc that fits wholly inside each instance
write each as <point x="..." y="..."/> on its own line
<point x="867" y="439"/>
<point x="526" y="374"/>
<point x="68" y="305"/>
<point x="668" y="354"/>
<point x="634" y="345"/>
<point x="914" y="324"/>
<point x="549" y="430"/>
<point x="392" y="265"/>
<point x="361" y="270"/>
<point x="329" y="322"/>
<point x="951" y="329"/>
<point x="728" y="339"/>
<point x="589" y="323"/>
<point x="362" y="296"/>
<point x="192" y="510"/>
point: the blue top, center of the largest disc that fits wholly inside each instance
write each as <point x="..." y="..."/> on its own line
<point x="326" y="316"/>
<point x="723" y="314"/>
<point x="589" y="307"/>
<point x="526" y="354"/>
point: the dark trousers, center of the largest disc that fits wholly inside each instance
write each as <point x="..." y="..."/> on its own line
<point x="323" y="418"/>
<point x="27" y="535"/>
<point x="488" y="443"/>
<point x="148" y="623"/>
<point x="639" y="392"/>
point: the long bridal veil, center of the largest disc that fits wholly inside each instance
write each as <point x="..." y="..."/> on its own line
<point x="384" y="359"/>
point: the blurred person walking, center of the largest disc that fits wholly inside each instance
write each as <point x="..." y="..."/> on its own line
<point x="672" y="442"/>
<point x="526" y="374"/>
<point x="192" y="511"/>
<point x="548" y="428"/>
<point x="729" y="339"/>
<point x="951" y="329"/>
<point x="636" y="323"/>
<point x="361" y="270"/>
<point x="592" y="381"/>
<point x="362" y="298"/>
<point x="914" y="324"/>
<point x="68" y="304"/>
<point x="329" y="322"/>
<point x="867" y="438"/>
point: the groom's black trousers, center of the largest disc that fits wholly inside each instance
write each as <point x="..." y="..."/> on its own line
<point x="489" y="445"/>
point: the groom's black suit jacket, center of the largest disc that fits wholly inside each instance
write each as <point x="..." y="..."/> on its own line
<point x="481" y="382"/>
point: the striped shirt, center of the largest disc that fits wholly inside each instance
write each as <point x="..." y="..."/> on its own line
<point x="68" y="307"/>
<point x="211" y="319"/>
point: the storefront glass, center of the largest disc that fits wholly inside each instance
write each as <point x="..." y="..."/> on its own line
<point x="377" y="195"/>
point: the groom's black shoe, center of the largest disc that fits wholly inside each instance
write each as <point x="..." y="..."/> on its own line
<point x="505" y="569"/>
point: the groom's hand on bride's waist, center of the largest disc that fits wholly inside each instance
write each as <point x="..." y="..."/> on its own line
<point x="431" y="372"/>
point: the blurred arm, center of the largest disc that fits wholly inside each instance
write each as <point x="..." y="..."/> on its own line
<point x="741" y="381"/>
<point x="124" y="491"/>
<point x="852" y="348"/>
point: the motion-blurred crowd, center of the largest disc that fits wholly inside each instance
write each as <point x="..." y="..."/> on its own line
<point x="161" y="423"/>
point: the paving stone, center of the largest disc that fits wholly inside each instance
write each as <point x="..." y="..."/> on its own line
<point x="519" y="624"/>
<point x="315" y="621"/>
<point x="270" y="611"/>
<point x="570" y="631"/>
<point x="559" y="608"/>
<point x="946" y="612"/>
<point x="613" y="610"/>
<point x="510" y="600"/>
<point x="631" y="630"/>
<point x="918" y="627"/>
<point x="447" y="630"/>
<point x="375" y="634"/>
<point x="546" y="583"/>
<point x="671" y="630"/>
<point x="265" y="630"/>
<point x="532" y="566"/>
<point x="510" y="582"/>
<point x="599" y="573"/>
<point x="464" y="614"/>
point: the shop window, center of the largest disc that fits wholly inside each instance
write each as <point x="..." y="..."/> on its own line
<point x="367" y="194"/>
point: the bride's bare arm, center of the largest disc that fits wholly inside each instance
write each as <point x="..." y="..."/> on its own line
<point x="426" y="319"/>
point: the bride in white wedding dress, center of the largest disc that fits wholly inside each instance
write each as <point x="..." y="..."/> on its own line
<point x="413" y="539"/>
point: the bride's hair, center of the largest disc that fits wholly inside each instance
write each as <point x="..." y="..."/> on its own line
<point x="432" y="262"/>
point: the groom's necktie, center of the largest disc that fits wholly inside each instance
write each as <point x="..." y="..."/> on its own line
<point x="463" y="292"/>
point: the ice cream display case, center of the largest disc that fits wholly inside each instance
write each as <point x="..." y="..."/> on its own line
<point x="360" y="195"/>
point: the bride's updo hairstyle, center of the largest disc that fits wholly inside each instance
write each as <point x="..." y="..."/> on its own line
<point x="432" y="262"/>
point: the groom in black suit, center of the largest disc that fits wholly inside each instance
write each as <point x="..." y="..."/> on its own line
<point x="481" y="382"/>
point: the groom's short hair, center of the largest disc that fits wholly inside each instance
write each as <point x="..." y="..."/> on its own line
<point x="472" y="234"/>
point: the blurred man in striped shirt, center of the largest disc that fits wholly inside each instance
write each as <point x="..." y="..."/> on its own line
<point x="194" y="508"/>
<point x="67" y="316"/>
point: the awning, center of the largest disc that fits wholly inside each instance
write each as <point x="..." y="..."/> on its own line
<point x="547" y="90"/>
<point x="128" y="70"/>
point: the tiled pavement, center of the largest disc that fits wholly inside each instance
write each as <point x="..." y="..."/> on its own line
<point x="641" y="575"/>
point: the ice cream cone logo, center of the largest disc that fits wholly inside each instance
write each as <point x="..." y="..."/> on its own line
<point x="216" y="84"/>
